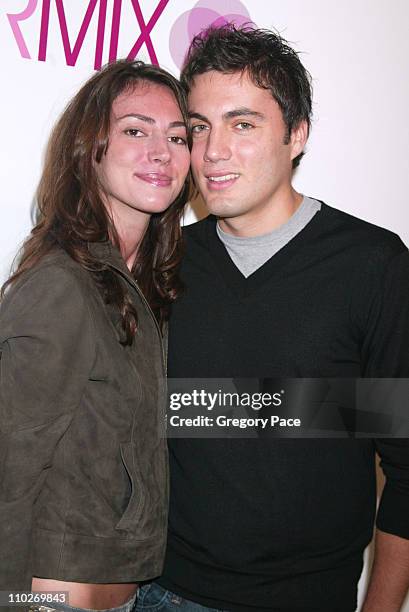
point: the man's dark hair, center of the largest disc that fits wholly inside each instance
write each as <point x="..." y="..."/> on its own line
<point x="267" y="59"/>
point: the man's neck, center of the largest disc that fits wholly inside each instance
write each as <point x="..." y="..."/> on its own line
<point x="264" y="220"/>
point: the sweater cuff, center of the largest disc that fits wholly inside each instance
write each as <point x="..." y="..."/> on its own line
<point x="393" y="512"/>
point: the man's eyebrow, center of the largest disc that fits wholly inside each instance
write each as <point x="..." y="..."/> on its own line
<point x="150" y="120"/>
<point x="198" y="116"/>
<point x="242" y="111"/>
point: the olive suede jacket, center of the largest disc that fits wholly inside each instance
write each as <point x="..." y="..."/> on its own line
<point x="83" y="459"/>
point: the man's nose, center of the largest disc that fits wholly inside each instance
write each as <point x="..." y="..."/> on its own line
<point x="217" y="146"/>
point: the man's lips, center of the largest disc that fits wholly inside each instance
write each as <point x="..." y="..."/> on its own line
<point x="154" y="178"/>
<point x="221" y="180"/>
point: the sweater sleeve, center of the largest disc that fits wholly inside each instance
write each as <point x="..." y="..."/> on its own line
<point x="386" y="351"/>
<point x="46" y="344"/>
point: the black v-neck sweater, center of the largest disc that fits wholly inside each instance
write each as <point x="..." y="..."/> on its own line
<point x="281" y="524"/>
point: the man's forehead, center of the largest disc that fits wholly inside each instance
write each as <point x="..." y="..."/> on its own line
<point x="225" y="94"/>
<point x="213" y="78"/>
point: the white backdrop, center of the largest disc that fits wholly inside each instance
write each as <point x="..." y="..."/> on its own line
<point x="356" y="50"/>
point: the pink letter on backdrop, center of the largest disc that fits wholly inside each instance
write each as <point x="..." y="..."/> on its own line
<point x="146" y="29"/>
<point x="72" y="55"/>
<point x="14" y="18"/>
<point x="116" y="18"/>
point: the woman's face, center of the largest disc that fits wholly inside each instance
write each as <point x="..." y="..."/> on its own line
<point x="147" y="159"/>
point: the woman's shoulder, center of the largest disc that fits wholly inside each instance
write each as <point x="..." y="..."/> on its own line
<point x="55" y="269"/>
<point x="56" y="281"/>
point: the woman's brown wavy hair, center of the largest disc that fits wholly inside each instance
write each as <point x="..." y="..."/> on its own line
<point x="71" y="213"/>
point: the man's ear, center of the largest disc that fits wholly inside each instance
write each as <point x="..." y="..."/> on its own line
<point x="298" y="138"/>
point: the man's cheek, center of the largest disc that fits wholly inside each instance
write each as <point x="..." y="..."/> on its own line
<point x="196" y="161"/>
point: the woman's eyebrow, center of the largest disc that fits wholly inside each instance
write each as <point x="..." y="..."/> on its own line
<point x="137" y="116"/>
<point x="150" y="120"/>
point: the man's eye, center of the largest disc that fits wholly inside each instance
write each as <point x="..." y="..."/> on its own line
<point x="177" y="140"/>
<point x="243" y="125"/>
<point x="199" y="128"/>
<point x="134" y="132"/>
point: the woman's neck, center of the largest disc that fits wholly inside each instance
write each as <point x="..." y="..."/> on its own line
<point x="130" y="227"/>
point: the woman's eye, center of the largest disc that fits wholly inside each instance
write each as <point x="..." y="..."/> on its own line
<point x="177" y="140"/>
<point x="134" y="132"/>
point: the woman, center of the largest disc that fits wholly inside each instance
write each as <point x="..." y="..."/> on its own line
<point x="83" y="468"/>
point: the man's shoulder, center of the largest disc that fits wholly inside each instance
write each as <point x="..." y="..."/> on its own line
<point x="335" y="228"/>
<point x="198" y="229"/>
<point x="197" y="235"/>
<point x="361" y="234"/>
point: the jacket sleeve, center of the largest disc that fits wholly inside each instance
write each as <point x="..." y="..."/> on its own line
<point x="386" y="349"/>
<point x="47" y="351"/>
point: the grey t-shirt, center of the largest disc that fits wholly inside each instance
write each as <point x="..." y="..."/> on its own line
<point x="250" y="253"/>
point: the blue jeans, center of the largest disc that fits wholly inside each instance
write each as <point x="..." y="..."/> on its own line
<point x="154" y="598"/>
<point x="126" y="607"/>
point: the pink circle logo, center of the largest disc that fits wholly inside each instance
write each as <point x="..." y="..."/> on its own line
<point x="201" y="16"/>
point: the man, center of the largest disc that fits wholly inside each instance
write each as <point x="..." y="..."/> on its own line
<point x="279" y="285"/>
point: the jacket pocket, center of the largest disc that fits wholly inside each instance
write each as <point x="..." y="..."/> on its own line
<point x="133" y="511"/>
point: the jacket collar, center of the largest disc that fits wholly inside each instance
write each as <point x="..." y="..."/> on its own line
<point x="107" y="253"/>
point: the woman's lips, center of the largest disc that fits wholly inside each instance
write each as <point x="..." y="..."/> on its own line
<point x="159" y="180"/>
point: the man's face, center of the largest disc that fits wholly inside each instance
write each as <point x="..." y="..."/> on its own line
<point x="240" y="161"/>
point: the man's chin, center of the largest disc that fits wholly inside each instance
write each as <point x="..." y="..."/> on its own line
<point x="220" y="206"/>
